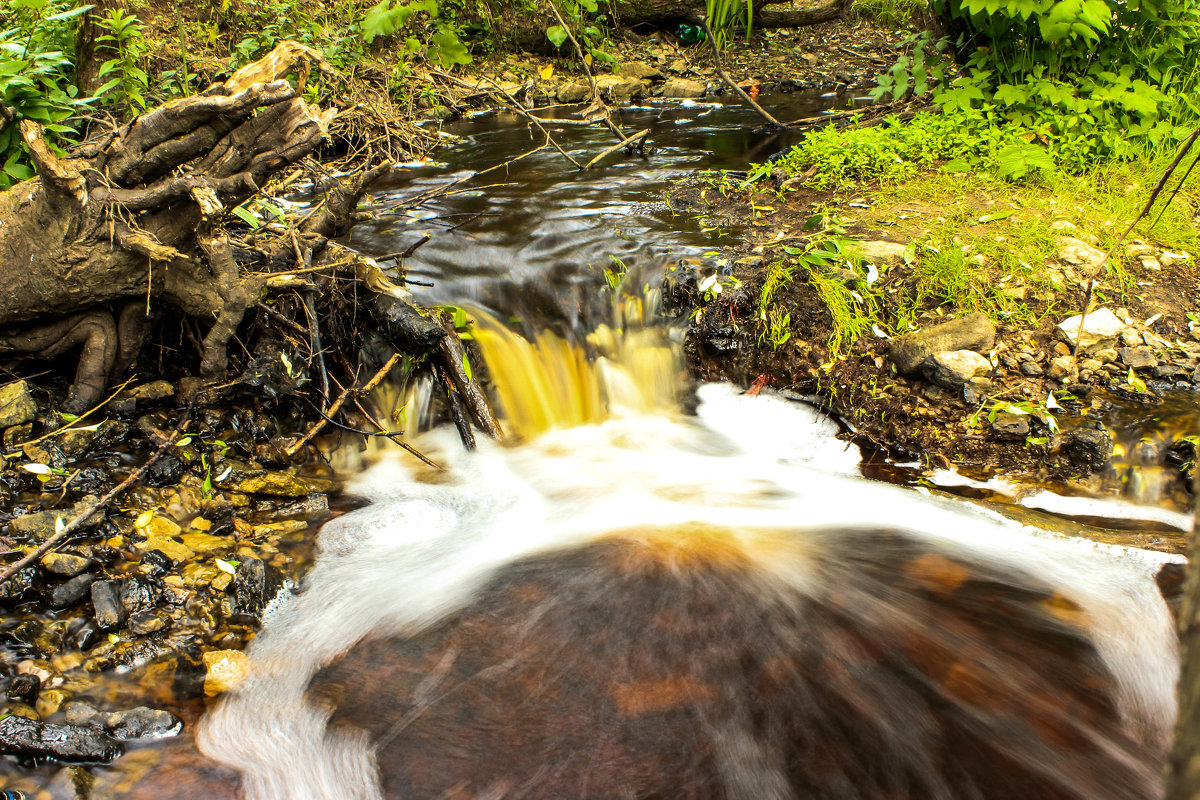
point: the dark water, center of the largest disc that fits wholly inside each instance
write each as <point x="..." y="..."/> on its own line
<point x="534" y="235"/>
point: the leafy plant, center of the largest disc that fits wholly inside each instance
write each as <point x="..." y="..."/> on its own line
<point x="724" y="15"/>
<point x="124" y="38"/>
<point x="443" y="46"/>
<point x="590" y="37"/>
<point x="36" y="77"/>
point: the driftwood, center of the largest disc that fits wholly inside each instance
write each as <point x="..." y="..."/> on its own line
<point x="135" y="222"/>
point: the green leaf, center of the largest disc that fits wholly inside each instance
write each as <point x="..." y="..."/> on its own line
<point x="467" y="367"/>
<point x="446" y="50"/>
<point x="242" y="213"/>
<point x="557" y="34"/>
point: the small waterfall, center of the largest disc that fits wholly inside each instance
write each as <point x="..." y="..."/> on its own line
<point x="632" y="602"/>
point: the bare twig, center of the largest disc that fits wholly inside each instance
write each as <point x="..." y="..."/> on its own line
<point x="725" y="77"/>
<point x="337" y="404"/>
<point x="623" y="143"/>
<point x="92" y="508"/>
<point x="587" y="71"/>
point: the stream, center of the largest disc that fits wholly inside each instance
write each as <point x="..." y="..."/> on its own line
<point x="656" y="590"/>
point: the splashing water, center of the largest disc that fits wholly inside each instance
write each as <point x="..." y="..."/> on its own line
<point x="637" y="603"/>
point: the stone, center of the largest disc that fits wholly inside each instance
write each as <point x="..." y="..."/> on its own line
<point x="1032" y="369"/>
<point x="1011" y="426"/>
<point x="1105" y="356"/>
<point x="134" y="723"/>
<point x="106" y="599"/>
<point x="65" y="564"/>
<point x="247" y="479"/>
<point x="974" y="390"/>
<point x="225" y="669"/>
<point x="171" y="549"/>
<point x="149" y="392"/>
<point x="29" y="739"/>
<point x="72" y="592"/>
<point x="46" y="639"/>
<point x="1100" y="330"/>
<point x="205" y="543"/>
<point x="1139" y="249"/>
<point x="971" y="332"/>
<point x="1087" y="259"/>
<point x="574" y="92"/>
<point x="953" y="368"/>
<point x="254" y="586"/>
<point x="683" y="88"/>
<point x="1137" y="357"/>
<point x="24" y="689"/>
<point x="139" y="593"/>
<point x="16" y="404"/>
<point x="640" y="70"/>
<point x="1060" y="367"/>
<point x="1088" y="448"/>
<point x="882" y="252"/>
<point x="618" y="87"/>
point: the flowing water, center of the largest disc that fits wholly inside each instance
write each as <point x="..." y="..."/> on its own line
<point x="652" y="590"/>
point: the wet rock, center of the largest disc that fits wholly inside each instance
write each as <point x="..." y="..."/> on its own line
<point x="1032" y="369"/>
<point x="145" y="622"/>
<point x="974" y="390"/>
<point x="157" y="561"/>
<point x="42" y="524"/>
<point x="16" y="404"/>
<point x="618" y="87"/>
<point x="22" y="710"/>
<point x="971" y="332"/>
<point x="29" y="739"/>
<point x="24" y="689"/>
<point x="1170" y="579"/>
<point x="149" y="392"/>
<point x="719" y="339"/>
<point x="134" y="723"/>
<point x="1137" y="357"/>
<point x="682" y="88"/>
<point x="106" y="599"/>
<point x="1061" y="367"/>
<point x="574" y="92"/>
<point x="50" y="701"/>
<point x="139" y="593"/>
<point x="241" y="477"/>
<point x="1011" y="426"/>
<point x="953" y="368"/>
<point x="1100" y="330"/>
<point x="24" y="584"/>
<point x="46" y="672"/>
<point x="165" y="471"/>
<point x="881" y="252"/>
<point x="312" y="507"/>
<point x="65" y="564"/>
<point x="86" y="635"/>
<point x="1081" y="255"/>
<point x="640" y="69"/>
<point x="1090" y="448"/>
<point x="254" y="586"/>
<point x="45" y="639"/>
<point x="225" y="669"/>
<point x="204" y="543"/>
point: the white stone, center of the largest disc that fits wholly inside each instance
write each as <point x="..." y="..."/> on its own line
<point x="1080" y="254"/>
<point x="953" y="368"/>
<point x="1100" y="329"/>
<point x="882" y="252"/>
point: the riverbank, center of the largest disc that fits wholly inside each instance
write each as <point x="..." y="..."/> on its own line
<point x="846" y="295"/>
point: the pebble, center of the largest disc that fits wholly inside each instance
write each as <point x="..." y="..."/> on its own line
<point x="1011" y="426"/>
<point x="65" y="564"/>
<point x="106" y="599"/>
<point x="72" y="591"/>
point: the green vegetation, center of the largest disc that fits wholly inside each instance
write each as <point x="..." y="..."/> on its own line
<point x="889" y="13"/>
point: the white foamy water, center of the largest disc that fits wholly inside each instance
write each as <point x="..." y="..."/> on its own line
<point x="421" y="550"/>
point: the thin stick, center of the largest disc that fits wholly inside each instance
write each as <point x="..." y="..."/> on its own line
<point x="395" y="437"/>
<point x="337" y="404"/>
<point x="1087" y="297"/>
<point x="623" y="143"/>
<point x="79" y="519"/>
<point x="725" y="77"/>
<point x="75" y="422"/>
